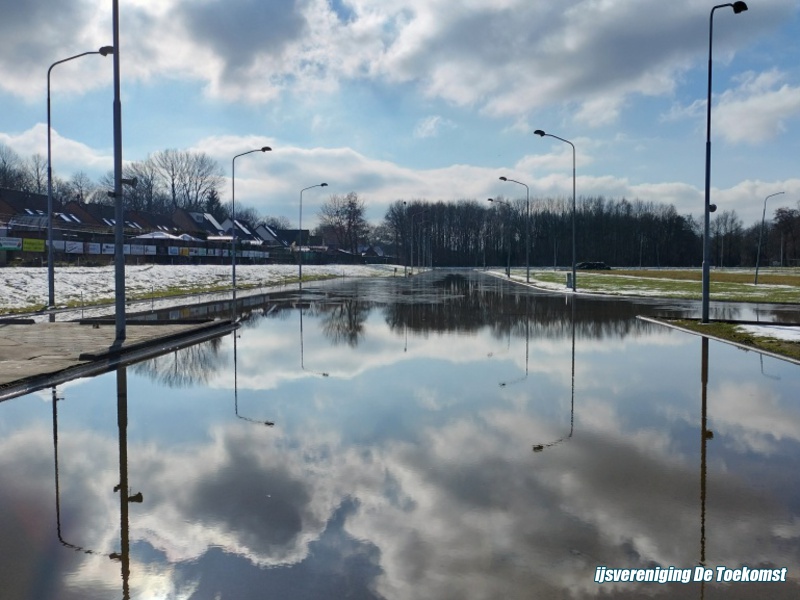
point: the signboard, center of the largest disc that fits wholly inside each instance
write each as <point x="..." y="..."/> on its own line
<point x="150" y="250"/>
<point x="29" y="245"/>
<point x="126" y="248"/>
<point x="10" y="243"/>
<point x="93" y="248"/>
<point x="137" y="249"/>
<point x="108" y="249"/>
<point x="183" y="251"/>
<point x="72" y="247"/>
<point x="174" y="251"/>
<point x="58" y="245"/>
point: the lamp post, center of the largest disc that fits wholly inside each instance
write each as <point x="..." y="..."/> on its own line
<point x="527" y="227"/>
<point x="414" y="216"/>
<point x="233" y="223"/>
<point x="508" y="237"/>
<point x="708" y="207"/>
<point x="761" y="233"/>
<point x="51" y="294"/>
<point x="300" y="234"/>
<point x="541" y="133"/>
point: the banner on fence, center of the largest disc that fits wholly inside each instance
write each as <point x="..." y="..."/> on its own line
<point x="31" y="245"/>
<point x="73" y="247"/>
<point x="10" y="243"/>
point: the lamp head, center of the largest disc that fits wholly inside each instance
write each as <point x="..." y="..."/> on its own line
<point x="504" y="179"/>
<point x="738" y="7"/>
<point x="539" y="132"/>
<point x="323" y="185"/>
<point x="266" y="149"/>
<point x="712" y="208"/>
<point x="106" y="50"/>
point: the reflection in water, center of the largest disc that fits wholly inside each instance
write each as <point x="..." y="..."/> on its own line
<point x="540" y="447"/>
<point x="236" y="386"/>
<point x="125" y="495"/>
<point x="55" y="400"/>
<point x="193" y="365"/>
<point x="343" y="322"/>
<point x="705" y="435"/>
<point x="411" y="474"/>
<point x="302" y="350"/>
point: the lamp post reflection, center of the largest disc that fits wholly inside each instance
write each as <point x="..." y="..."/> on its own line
<point x="541" y="447"/>
<point x="527" y="343"/>
<point x="302" y="352"/>
<point x="56" y="400"/>
<point x="236" y="388"/>
<point x="123" y="556"/>
<point x="705" y="435"/>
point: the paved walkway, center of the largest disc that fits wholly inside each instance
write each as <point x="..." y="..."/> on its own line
<point x="38" y="355"/>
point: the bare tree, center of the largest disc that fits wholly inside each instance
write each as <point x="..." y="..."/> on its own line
<point x="171" y="166"/>
<point x="343" y="217"/>
<point x="81" y="186"/>
<point x="36" y="174"/>
<point x="277" y="222"/>
<point x="202" y="175"/>
<point x="11" y="169"/>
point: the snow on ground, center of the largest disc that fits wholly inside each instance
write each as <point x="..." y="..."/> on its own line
<point x="27" y="287"/>
<point x="788" y="333"/>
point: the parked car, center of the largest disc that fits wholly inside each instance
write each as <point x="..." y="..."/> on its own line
<point x="593" y="266"/>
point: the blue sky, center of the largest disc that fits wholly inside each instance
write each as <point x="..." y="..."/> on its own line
<point x="420" y="99"/>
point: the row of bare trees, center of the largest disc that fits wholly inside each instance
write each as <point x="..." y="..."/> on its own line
<point x="166" y="180"/>
<point x="617" y="232"/>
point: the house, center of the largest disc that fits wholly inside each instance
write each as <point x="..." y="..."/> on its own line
<point x="245" y="232"/>
<point x="197" y="224"/>
<point x="153" y="221"/>
<point x="24" y="210"/>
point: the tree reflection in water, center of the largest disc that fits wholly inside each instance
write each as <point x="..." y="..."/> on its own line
<point x="193" y="365"/>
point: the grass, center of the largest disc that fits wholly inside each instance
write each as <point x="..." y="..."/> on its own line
<point x="731" y="332"/>
<point x="183" y="288"/>
<point x="780" y="286"/>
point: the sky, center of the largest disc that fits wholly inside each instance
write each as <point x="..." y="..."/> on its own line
<point x="420" y="99"/>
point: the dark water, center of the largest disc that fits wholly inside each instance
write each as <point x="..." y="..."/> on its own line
<point x="446" y="437"/>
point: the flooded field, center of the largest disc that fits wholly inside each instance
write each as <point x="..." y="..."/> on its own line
<point x="445" y="436"/>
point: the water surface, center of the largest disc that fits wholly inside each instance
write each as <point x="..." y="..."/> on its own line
<point x="448" y="436"/>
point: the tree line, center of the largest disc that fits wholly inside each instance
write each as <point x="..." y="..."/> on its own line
<point x="165" y="181"/>
<point x="618" y="232"/>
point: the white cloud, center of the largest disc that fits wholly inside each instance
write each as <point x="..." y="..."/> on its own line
<point x="68" y="155"/>
<point x="431" y="126"/>
<point x="758" y="109"/>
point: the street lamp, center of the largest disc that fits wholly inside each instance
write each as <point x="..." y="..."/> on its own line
<point x="233" y="223"/>
<point x="527" y="227"/>
<point x="414" y="216"/>
<point x="737" y="8"/>
<point x="51" y="294"/>
<point x="508" y="237"/>
<point x="761" y="233"/>
<point x="541" y="133"/>
<point x="300" y="234"/>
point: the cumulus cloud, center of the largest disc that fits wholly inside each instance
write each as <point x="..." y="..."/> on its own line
<point x="758" y="109"/>
<point x="507" y="58"/>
